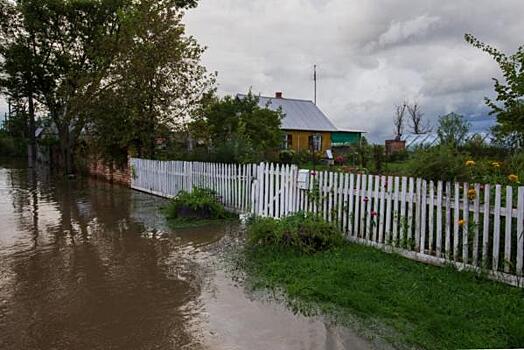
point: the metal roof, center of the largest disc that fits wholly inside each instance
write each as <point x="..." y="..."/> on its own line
<point x="298" y="114"/>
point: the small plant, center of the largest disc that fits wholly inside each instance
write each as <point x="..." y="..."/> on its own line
<point x="198" y="204"/>
<point x="307" y="233"/>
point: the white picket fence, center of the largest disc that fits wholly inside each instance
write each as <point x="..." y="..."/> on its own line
<point x="434" y="222"/>
<point x="231" y="182"/>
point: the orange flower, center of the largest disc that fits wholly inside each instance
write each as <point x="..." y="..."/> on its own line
<point x="470" y="163"/>
<point x="513" y="178"/>
<point x="472" y="194"/>
<point x="496" y="164"/>
<point x="461" y="222"/>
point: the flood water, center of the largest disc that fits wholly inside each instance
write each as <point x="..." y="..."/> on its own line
<point x="88" y="265"/>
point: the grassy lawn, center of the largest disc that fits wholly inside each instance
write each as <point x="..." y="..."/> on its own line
<point x="428" y="307"/>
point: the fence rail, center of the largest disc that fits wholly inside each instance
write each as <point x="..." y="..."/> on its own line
<point x="469" y="225"/>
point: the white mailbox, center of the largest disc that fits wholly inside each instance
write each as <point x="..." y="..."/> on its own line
<point x="303" y="179"/>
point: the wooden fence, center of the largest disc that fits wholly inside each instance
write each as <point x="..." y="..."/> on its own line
<point x="474" y="226"/>
<point x="231" y="182"/>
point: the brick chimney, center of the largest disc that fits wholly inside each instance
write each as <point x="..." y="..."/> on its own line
<point x="278" y="94"/>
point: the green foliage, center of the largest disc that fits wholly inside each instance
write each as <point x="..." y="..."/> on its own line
<point x="410" y="304"/>
<point x="452" y="129"/>
<point x="287" y="156"/>
<point x="198" y="204"/>
<point x="11" y="146"/>
<point x="438" y="163"/>
<point x="241" y="129"/>
<point x="509" y="105"/>
<point x="378" y="157"/>
<point x="307" y="233"/>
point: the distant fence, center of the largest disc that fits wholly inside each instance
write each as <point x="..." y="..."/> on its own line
<point x="475" y="226"/>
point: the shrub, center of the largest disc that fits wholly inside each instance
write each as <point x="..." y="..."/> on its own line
<point x="198" y="204"/>
<point x="286" y="156"/>
<point x="438" y="163"/>
<point x="307" y="233"/>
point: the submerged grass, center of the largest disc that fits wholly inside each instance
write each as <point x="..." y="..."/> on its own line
<point x="428" y="307"/>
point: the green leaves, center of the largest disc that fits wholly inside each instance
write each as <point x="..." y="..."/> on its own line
<point x="509" y="105"/>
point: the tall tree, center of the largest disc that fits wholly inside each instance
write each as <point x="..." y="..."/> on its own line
<point x="452" y="129"/>
<point x="399" y="120"/>
<point x="249" y="132"/>
<point x="156" y="80"/>
<point x="85" y="50"/>
<point x="509" y="104"/>
<point x="416" y="117"/>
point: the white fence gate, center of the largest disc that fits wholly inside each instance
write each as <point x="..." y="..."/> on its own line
<point x="471" y="226"/>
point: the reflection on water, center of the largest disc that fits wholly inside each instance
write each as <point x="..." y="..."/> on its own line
<point x="87" y="265"/>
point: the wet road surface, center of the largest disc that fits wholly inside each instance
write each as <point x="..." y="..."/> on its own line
<point x="88" y="265"/>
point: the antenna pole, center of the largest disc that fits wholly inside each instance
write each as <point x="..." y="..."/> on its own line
<point x="315" y="80"/>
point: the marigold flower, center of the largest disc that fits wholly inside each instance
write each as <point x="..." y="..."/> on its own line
<point x="472" y="194"/>
<point x="461" y="222"/>
<point x="313" y="173"/>
<point x="374" y="213"/>
<point x="496" y="164"/>
<point x="470" y="163"/>
<point x="513" y="178"/>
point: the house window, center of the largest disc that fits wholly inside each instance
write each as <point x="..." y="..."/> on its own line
<point x="315" y="142"/>
<point x="287" y="141"/>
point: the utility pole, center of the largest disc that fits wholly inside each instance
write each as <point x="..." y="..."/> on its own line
<point x="315" y="81"/>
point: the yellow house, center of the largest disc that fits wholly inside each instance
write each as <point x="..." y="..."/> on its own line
<point x="305" y="126"/>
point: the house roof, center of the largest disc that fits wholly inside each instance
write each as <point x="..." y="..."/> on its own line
<point x="298" y="114"/>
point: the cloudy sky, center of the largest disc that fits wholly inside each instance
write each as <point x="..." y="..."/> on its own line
<point x="371" y="54"/>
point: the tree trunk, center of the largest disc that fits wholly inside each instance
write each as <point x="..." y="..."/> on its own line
<point x="32" y="130"/>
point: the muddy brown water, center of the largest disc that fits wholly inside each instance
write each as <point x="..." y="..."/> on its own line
<point x="88" y="265"/>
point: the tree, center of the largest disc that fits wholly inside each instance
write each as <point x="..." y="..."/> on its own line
<point x="155" y="84"/>
<point x="509" y="104"/>
<point x="452" y="129"/>
<point x="417" y="125"/>
<point x="399" y="120"/>
<point x="90" y="52"/>
<point x="247" y="131"/>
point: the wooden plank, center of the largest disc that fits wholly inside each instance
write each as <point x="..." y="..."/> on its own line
<point x="431" y="220"/>
<point x="369" y="192"/>
<point x="507" y="236"/>
<point x="411" y="201"/>
<point x="389" y="204"/>
<point x="374" y="212"/>
<point x="423" y="203"/>
<point x="382" y="208"/>
<point x="496" y="228"/>
<point x="351" y="212"/>
<point x="438" y="234"/>
<point x="465" y="228"/>
<point x="403" y="234"/>
<point x="418" y="211"/>
<point x="485" y="225"/>
<point x="476" y="220"/>
<point x="345" y="204"/>
<point x="278" y="193"/>
<point x="456" y="219"/>
<point x="396" y="212"/>
<point x="330" y="188"/>
<point x="449" y="222"/>
<point x="520" y="232"/>
<point x="362" y="205"/>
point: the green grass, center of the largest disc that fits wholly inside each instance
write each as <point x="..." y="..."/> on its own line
<point x="426" y="306"/>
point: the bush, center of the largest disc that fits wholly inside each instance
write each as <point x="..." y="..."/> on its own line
<point x="438" y="163"/>
<point x="198" y="204"/>
<point x="286" y="156"/>
<point x="307" y="233"/>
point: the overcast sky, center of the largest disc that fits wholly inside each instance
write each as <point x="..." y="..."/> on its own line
<point x="371" y="54"/>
